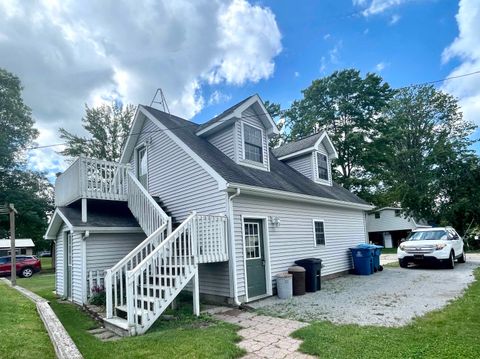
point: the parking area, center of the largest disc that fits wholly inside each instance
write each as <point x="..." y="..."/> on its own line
<point x="389" y="298"/>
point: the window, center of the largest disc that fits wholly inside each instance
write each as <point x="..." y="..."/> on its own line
<point x="322" y="164"/>
<point x="377" y="215"/>
<point x="252" y="240"/>
<point x="397" y="213"/>
<point x="253" y="143"/>
<point x="319" y="230"/>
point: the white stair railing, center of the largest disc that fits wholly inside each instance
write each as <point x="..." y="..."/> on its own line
<point x="148" y="213"/>
<point x="211" y="238"/>
<point x="115" y="277"/>
<point x="156" y="281"/>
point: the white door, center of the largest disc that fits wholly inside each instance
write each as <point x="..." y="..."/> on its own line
<point x="68" y="265"/>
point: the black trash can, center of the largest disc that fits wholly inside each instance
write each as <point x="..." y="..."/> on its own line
<point x="313" y="268"/>
<point x="298" y="274"/>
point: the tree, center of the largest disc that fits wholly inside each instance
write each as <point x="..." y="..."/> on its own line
<point x="423" y="151"/>
<point x="16" y="123"/>
<point x="275" y="111"/>
<point x="350" y="108"/>
<point x="28" y="190"/>
<point x="108" y="126"/>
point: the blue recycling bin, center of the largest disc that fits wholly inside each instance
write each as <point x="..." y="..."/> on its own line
<point x="362" y="260"/>
<point x="376" y="251"/>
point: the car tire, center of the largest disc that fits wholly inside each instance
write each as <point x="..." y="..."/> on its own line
<point x="402" y="263"/>
<point x="26" y="272"/>
<point x="451" y="261"/>
<point x="463" y="258"/>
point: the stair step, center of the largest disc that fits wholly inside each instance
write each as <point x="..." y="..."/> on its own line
<point x="117" y="325"/>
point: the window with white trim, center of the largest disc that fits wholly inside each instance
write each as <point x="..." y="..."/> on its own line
<point x="319" y="232"/>
<point x="322" y="164"/>
<point x="253" y="143"/>
<point x="252" y="240"/>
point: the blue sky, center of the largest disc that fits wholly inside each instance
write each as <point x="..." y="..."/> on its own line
<point x="404" y="44"/>
<point x="207" y="55"/>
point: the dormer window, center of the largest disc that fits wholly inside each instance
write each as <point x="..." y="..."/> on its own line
<point x="253" y="143"/>
<point x="322" y="164"/>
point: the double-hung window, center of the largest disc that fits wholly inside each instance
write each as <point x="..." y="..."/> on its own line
<point x="319" y="231"/>
<point x="253" y="143"/>
<point x="322" y="164"/>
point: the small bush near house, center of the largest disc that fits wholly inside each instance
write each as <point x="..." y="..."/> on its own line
<point x="98" y="296"/>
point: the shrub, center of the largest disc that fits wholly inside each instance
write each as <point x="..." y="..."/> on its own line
<point x="98" y="295"/>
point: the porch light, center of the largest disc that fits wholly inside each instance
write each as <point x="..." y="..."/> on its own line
<point x="275" y="221"/>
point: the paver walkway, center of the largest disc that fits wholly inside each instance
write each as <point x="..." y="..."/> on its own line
<point x="263" y="336"/>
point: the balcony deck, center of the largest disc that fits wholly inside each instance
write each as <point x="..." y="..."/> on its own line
<point x="92" y="179"/>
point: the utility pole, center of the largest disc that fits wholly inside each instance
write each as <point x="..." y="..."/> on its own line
<point x="13" y="272"/>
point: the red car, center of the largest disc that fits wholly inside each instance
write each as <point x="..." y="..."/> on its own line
<point x="26" y="265"/>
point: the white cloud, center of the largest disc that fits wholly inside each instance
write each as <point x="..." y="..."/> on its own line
<point x="296" y="74"/>
<point x="380" y="66"/>
<point x="217" y="97"/>
<point x="326" y="36"/>
<point x="68" y="53"/>
<point x="466" y="48"/>
<point x="394" y="19"/>
<point x="374" y="7"/>
<point x="334" y="53"/>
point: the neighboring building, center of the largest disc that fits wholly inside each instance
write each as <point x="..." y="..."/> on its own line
<point x="387" y="226"/>
<point x="22" y="246"/>
<point x="256" y="212"/>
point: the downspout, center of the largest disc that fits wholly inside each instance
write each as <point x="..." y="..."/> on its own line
<point x="84" y="266"/>
<point x="231" y="247"/>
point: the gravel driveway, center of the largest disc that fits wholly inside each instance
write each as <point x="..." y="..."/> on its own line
<point x="389" y="298"/>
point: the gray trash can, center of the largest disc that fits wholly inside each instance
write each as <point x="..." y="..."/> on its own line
<point x="284" y="285"/>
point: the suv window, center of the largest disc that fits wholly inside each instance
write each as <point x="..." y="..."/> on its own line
<point x="427" y="235"/>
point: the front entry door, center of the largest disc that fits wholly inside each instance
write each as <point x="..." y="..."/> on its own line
<point x="142" y="166"/>
<point x="255" y="257"/>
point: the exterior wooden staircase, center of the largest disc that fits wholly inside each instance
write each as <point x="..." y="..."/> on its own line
<point x="141" y="286"/>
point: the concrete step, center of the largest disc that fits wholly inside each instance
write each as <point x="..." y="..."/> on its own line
<point x="104" y="334"/>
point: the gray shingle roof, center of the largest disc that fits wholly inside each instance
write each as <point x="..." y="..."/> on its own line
<point x="100" y="214"/>
<point x="223" y="114"/>
<point x="281" y="176"/>
<point x="296" y="146"/>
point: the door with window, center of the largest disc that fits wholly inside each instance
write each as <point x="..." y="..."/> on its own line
<point x="68" y="265"/>
<point x="254" y="257"/>
<point x="142" y="168"/>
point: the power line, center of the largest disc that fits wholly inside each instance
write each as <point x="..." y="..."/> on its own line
<point x="248" y="116"/>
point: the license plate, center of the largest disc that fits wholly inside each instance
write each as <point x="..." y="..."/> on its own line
<point x="418" y="256"/>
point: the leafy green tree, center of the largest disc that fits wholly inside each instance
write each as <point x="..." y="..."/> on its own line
<point x="424" y="149"/>
<point x="350" y="108"/>
<point x="276" y="112"/>
<point x="108" y="127"/>
<point x="28" y="190"/>
<point x="16" y="123"/>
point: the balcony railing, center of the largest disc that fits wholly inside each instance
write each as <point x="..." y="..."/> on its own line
<point x="93" y="179"/>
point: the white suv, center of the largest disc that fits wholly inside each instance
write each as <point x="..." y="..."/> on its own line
<point x="442" y="244"/>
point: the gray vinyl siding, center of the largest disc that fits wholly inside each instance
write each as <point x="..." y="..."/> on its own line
<point x="214" y="279"/>
<point x="388" y="222"/>
<point x="59" y="262"/>
<point x="104" y="250"/>
<point x="250" y="117"/>
<point x="77" y="268"/>
<point x="294" y="238"/>
<point x="302" y="164"/>
<point x="177" y="179"/>
<point x="224" y="141"/>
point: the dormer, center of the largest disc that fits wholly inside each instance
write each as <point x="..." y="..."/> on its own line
<point x="242" y="132"/>
<point x="311" y="156"/>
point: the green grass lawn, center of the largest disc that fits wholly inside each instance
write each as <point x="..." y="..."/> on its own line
<point x="46" y="263"/>
<point x="22" y="334"/>
<point x="389" y="250"/>
<point x="186" y="337"/>
<point x="453" y="332"/>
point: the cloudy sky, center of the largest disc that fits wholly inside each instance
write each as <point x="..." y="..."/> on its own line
<point x="208" y="55"/>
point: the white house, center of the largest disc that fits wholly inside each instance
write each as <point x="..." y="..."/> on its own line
<point x="206" y="208"/>
<point x="22" y="246"/>
<point x="387" y="226"/>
